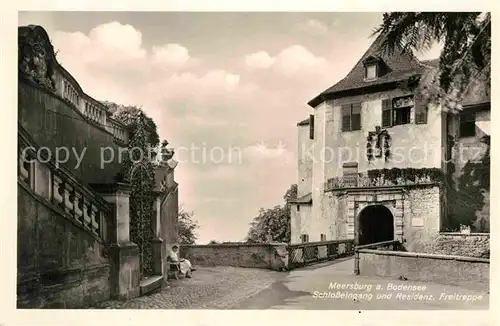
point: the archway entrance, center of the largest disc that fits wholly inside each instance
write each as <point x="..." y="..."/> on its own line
<point x="376" y="224"/>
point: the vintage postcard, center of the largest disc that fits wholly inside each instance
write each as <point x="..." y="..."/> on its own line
<point x="253" y="160"/>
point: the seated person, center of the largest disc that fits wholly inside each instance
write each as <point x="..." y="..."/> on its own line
<point x="184" y="264"/>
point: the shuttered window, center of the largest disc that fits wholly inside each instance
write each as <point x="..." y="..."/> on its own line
<point x="356" y="116"/>
<point x="420" y="110"/>
<point x="387" y="113"/>
<point x="351" y="117"/>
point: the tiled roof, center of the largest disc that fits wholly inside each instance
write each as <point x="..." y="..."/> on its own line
<point x="304" y="122"/>
<point x="400" y="67"/>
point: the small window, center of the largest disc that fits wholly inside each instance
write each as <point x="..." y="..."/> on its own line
<point x="350" y="174"/>
<point x="323" y="237"/>
<point x="371" y="71"/>
<point x="304" y="238"/>
<point x="468" y="125"/>
<point x="351" y="117"/>
<point x="298" y="208"/>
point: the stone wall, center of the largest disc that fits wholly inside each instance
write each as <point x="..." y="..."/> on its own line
<point x="413" y="145"/>
<point x="270" y="256"/>
<point x="305" y="162"/>
<point x="452" y="270"/>
<point x="53" y="122"/>
<point x="470" y="245"/>
<point x="300" y="220"/>
<point x="421" y="214"/>
<point x="59" y="265"/>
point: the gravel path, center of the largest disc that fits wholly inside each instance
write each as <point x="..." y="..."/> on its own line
<point x="210" y="288"/>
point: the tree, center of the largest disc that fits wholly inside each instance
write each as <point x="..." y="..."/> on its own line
<point x="187" y="227"/>
<point x="128" y="115"/>
<point x="273" y="225"/>
<point x="467" y="44"/>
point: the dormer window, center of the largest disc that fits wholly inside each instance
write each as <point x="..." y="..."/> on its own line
<point x="373" y="68"/>
<point x="371" y="71"/>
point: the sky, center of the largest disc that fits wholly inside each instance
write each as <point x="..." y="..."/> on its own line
<point x="226" y="90"/>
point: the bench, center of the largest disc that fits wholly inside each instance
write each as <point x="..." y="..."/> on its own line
<point x="174" y="268"/>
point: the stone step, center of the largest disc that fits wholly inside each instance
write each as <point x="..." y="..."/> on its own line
<point x="151" y="284"/>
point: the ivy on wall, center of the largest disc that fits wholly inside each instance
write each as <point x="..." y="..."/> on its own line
<point x="466" y="195"/>
<point x="390" y="177"/>
<point x="401" y="176"/>
<point x="139" y="172"/>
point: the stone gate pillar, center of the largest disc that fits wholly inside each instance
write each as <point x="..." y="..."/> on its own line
<point x="124" y="254"/>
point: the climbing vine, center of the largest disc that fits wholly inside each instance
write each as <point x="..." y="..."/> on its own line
<point x="392" y="177"/>
<point x="467" y="193"/>
<point x="139" y="172"/>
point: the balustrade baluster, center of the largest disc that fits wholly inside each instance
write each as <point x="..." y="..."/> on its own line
<point x="68" y="198"/>
<point x="57" y="182"/>
<point x="66" y="89"/>
<point x="87" y="220"/>
<point x="78" y="204"/>
<point x="103" y="227"/>
<point x="23" y="171"/>
<point x="94" y="224"/>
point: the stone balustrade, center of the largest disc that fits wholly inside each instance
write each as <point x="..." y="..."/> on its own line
<point x="118" y="131"/>
<point x="93" y="110"/>
<point x="65" y="194"/>
<point x="70" y="93"/>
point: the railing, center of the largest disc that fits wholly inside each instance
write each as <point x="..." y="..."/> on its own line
<point x="391" y="245"/>
<point x="61" y="190"/>
<point x="312" y="252"/>
<point x="93" y="110"/>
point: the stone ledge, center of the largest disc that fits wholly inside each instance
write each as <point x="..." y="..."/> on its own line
<point x="242" y="244"/>
<point x="458" y="234"/>
<point x="151" y="284"/>
<point x="424" y="255"/>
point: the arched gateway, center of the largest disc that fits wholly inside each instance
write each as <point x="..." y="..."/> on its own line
<point x="376" y="224"/>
